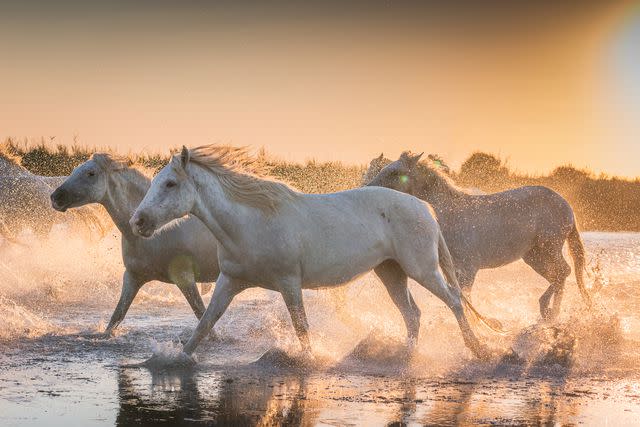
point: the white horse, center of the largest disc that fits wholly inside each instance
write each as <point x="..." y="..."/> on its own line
<point x="273" y="237"/>
<point x="183" y="254"/>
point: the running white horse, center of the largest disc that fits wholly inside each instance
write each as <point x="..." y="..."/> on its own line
<point x="183" y="254"/>
<point x="273" y="237"/>
<point x="491" y="230"/>
<point x="24" y="203"/>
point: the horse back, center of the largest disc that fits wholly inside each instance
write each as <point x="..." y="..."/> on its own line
<point x="491" y="230"/>
<point x="358" y="229"/>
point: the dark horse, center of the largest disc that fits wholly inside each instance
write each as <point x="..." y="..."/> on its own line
<point x="492" y="230"/>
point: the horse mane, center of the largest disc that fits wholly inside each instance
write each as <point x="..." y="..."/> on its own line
<point x="375" y="166"/>
<point x="240" y="177"/>
<point x="124" y="167"/>
<point x="9" y="158"/>
<point x="11" y="163"/>
<point x="439" y="182"/>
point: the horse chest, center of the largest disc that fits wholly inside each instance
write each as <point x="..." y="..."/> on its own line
<point x="141" y="262"/>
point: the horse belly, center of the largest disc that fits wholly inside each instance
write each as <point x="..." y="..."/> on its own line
<point x="498" y="252"/>
<point x="333" y="266"/>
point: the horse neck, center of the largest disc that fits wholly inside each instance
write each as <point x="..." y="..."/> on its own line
<point x="225" y="218"/>
<point x="7" y="167"/>
<point x="125" y="191"/>
<point x="442" y="195"/>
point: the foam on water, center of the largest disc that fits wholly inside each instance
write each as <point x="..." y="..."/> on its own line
<point x="589" y="342"/>
<point x="19" y="322"/>
<point x="169" y="354"/>
<point x="41" y="279"/>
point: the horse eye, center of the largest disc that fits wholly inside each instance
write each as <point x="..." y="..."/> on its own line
<point x="91" y="173"/>
<point x="171" y="184"/>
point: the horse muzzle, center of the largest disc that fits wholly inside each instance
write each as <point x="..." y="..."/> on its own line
<point x="60" y="200"/>
<point x="142" y="225"/>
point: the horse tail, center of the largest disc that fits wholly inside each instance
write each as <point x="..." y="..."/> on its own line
<point x="448" y="268"/>
<point x="576" y="250"/>
<point x="446" y="262"/>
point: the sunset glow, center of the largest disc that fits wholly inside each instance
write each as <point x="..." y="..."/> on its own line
<point x="540" y="87"/>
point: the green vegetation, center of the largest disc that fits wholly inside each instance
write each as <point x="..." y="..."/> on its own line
<point x="600" y="202"/>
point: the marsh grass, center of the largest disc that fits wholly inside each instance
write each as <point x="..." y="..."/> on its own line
<point x="601" y="202"/>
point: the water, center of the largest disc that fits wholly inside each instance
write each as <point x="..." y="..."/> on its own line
<point x="56" y="296"/>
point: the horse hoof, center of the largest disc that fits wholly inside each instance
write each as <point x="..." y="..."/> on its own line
<point x="105" y="336"/>
<point x="485" y="354"/>
<point x="545" y="313"/>
<point x="511" y="358"/>
<point x="549" y="315"/>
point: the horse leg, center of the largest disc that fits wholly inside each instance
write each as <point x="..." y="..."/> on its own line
<point x="452" y="297"/>
<point x="130" y="288"/>
<point x="292" y="296"/>
<point x="548" y="261"/>
<point x="395" y="281"/>
<point x="428" y="275"/>
<point x="188" y="287"/>
<point x="563" y="270"/>
<point x="226" y="289"/>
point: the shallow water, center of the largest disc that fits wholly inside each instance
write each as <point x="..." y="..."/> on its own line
<point x="55" y="297"/>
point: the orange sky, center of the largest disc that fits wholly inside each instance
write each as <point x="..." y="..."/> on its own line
<point x="540" y="85"/>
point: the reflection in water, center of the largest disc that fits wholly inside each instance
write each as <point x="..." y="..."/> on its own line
<point x="252" y="397"/>
<point x="187" y="396"/>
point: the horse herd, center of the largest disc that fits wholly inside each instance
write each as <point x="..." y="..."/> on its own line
<point x="206" y="217"/>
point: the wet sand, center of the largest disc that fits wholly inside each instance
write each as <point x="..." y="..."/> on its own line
<point x="54" y="370"/>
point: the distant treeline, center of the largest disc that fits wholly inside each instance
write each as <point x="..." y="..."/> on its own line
<point x="600" y="202"/>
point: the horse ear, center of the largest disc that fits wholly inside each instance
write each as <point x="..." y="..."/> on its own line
<point x="381" y="156"/>
<point x="411" y="159"/>
<point x="103" y="160"/>
<point x="185" y="156"/>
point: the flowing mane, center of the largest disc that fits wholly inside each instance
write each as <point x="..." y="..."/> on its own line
<point x="375" y="166"/>
<point x="437" y="181"/>
<point x="11" y="165"/>
<point x="123" y="166"/>
<point x="240" y="177"/>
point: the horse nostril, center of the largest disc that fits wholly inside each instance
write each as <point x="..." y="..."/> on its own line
<point x="140" y="221"/>
<point x="57" y="196"/>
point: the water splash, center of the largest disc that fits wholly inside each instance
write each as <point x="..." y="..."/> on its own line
<point x="169" y="354"/>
